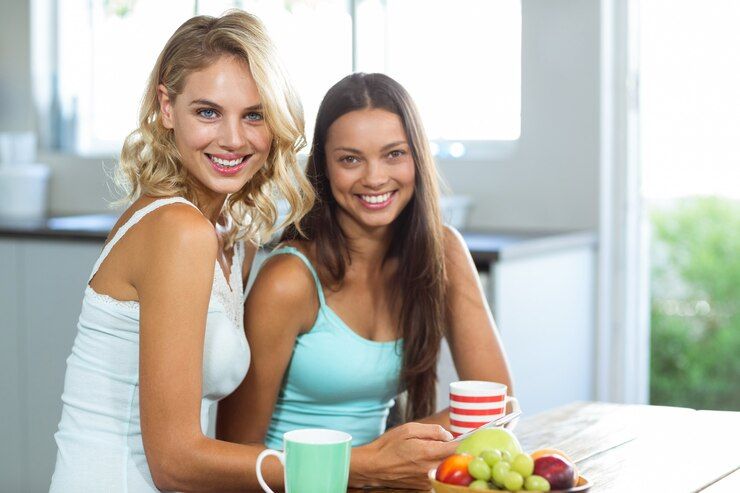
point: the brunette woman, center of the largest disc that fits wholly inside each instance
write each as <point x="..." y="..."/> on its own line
<point x="347" y="317"/>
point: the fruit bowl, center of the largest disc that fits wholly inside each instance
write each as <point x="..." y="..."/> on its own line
<point x="582" y="485"/>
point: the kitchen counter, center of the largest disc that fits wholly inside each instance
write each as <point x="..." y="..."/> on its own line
<point x="91" y="227"/>
<point x="485" y="247"/>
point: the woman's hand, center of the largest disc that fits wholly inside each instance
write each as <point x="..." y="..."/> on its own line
<point x="401" y="457"/>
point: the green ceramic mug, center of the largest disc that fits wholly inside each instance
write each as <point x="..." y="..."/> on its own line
<point x="315" y="461"/>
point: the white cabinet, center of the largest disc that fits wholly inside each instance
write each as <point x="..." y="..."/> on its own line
<point x="545" y="306"/>
<point x="543" y="301"/>
<point x="12" y="443"/>
<point x="41" y="288"/>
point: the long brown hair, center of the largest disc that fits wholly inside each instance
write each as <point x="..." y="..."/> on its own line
<point x="419" y="283"/>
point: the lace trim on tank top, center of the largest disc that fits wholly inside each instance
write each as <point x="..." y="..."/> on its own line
<point x="109" y="300"/>
<point x="229" y="291"/>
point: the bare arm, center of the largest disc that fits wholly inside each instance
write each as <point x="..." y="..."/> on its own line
<point x="472" y="335"/>
<point x="173" y="280"/>
<point x="281" y="304"/>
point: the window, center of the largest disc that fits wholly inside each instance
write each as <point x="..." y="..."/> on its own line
<point x="690" y="100"/>
<point x="460" y="60"/>
<point x="314" y="39"/>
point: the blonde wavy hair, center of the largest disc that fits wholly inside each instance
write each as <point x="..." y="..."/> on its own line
<point x="150" y="163"/>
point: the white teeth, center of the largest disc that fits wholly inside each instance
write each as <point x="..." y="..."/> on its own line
<point x="224" y="162"/>
<point x="376" y="199"/>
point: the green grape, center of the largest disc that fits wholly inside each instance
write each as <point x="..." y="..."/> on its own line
<point x="479" y="485"/>
<point x="513" y="481"/>
<point x="536" y="483"/>
<point x="506" y="455"/>
<point x="491" y="456"/>
<point x="479" y="469"/>
<point x="523" y="464"/>
<point x="499" y="472"/>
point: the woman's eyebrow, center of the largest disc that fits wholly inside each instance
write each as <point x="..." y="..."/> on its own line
<point x="208" y="102"/>
<point x="348" y="149"/>
<point x="205" y="102"/>
<point x="392" y="144"/>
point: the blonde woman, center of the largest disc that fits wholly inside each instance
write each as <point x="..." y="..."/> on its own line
<point x="160" y="336"/>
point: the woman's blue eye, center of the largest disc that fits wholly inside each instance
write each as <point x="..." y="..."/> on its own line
<point x="207" y="113"/>
<point x="255" y="116"/>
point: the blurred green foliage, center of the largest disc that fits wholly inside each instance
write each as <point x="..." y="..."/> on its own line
<point x="695" y="324"/>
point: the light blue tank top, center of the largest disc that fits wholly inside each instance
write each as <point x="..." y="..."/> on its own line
<point x="336" y="378"/>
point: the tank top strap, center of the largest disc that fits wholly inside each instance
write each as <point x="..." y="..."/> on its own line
<point x="294" y="251"/>
<point x="240" y="251"/>
<point x="135" y="218"/>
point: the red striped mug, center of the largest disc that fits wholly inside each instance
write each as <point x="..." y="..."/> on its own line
<point x="474" y="403"/>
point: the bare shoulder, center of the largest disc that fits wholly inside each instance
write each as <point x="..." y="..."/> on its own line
<point x="177" y="234"/>
<point x="285" y="277"/>
<point x="456" y="250"/>
<point x="283" y="297"/>
<point x="181" y="224"/>
<point x="461" y="271"/>
<point x="177" y="247"/>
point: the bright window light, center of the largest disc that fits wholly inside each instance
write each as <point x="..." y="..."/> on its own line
<point x="459" y="59"/>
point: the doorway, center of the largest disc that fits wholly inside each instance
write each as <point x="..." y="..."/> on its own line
<point x="689" y="155"/>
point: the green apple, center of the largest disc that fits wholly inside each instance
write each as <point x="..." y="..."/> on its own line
<point x="490" y="438"/>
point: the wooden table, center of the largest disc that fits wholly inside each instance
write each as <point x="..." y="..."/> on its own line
<point x="629" y="448"/>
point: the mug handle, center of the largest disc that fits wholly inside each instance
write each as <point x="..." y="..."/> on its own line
<point x="258" y="466"/>
<point x="514" y="407"/>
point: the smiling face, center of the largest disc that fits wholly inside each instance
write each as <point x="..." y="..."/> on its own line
<point x="370" y="167"/>
<point x="219" y="126"/>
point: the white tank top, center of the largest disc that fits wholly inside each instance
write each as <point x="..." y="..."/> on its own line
<point x="99" y="437"/>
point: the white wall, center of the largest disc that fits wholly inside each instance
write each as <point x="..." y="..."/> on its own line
<point x="15" y="66"/>
<point x="550" y="183"/>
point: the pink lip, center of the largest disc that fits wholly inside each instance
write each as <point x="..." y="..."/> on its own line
<point x="223" y="170"/>
<point x="379" y="205"/>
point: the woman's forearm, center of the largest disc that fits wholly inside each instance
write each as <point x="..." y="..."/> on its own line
<point x="360" y="468"/>
<point x="213" y="465"/>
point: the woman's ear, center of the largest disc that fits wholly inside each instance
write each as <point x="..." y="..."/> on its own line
<point x="165" y="106"/>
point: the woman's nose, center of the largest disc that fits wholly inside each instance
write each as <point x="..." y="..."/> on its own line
<point x="375" y="174"/>
<point x="233" y="135"/>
